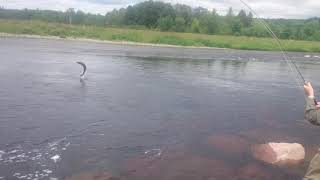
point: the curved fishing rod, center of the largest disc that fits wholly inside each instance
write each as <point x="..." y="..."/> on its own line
<point x="275" y="37"/>
<point x="284" y="53"/>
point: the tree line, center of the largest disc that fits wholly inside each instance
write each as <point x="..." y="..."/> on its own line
<point x="70" y="16"/>
<point x="162" y="16"/>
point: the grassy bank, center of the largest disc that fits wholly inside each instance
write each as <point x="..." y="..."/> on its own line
<point x="154" y="37"/>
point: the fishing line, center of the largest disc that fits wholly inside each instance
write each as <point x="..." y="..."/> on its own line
<point x="289" y="61"/>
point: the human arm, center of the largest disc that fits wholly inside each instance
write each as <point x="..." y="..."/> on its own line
<point x="312" y="113"/>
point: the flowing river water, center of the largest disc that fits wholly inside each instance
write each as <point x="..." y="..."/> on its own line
<point x="147" y="112"/>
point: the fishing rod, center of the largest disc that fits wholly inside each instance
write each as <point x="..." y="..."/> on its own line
<point x="284" y="52"/>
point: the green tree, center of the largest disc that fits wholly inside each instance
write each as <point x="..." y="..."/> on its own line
<point x="250" y="19"/>
<point x="299" y="34"/>
<point x="185" y="12"/>
<point x="230" y="12"/>
<point x="310" y="28"/>
<point x="195" y="26"/>
<point x="165" y="23"/>
<point x="236" y="26"/>
<point x="209" y="24"/>
<point x="148" y="13"/>
<point x="79" y="17"/>
<point x="180" y="24"/>
<point x="285" y="33"/>
<point x="256" y="29"/>
<point x="243" y="18"/>
<point x="199" y="11"/>
<point x="316" y="36"/>
<point x="116" y="17"/>
<point x="70" y="13"/>
<point x="131" y="16"/>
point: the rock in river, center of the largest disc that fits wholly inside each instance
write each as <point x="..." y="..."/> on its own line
<point x="281" y="154"/>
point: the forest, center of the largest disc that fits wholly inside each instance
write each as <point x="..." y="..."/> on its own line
<point x="160" y="16"/>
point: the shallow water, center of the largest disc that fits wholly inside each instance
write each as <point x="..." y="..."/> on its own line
<point x="144" y="102"/>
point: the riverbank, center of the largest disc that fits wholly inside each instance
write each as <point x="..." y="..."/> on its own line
<point x="28" y="36"/>
<point x="36" y="29"/>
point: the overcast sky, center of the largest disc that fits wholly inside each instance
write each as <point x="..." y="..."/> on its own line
<point x="266" y="8"/>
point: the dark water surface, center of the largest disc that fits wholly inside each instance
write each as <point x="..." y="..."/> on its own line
<point x="139" y="102"/>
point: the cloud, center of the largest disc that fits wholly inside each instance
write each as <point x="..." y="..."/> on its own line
<point x="268" y="9"/>
<point x="61" y="5"/>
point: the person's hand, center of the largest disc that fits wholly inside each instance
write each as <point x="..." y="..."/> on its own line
<point x="308" y="89"/>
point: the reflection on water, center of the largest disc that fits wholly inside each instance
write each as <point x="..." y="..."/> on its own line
<point x="147" y="113"/>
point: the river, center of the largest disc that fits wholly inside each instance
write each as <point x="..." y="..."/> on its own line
<point x="142" y="102"/>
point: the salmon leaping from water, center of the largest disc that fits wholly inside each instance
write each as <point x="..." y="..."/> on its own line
<point x="82" y="75"/>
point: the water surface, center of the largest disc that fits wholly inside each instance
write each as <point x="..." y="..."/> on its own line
<point x="139" y="99"/>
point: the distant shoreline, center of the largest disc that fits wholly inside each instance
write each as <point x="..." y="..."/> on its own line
<point x="150" y="38"/>
<point x="29" y="36"/>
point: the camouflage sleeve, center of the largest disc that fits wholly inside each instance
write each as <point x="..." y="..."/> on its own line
<point x="313" y="172"/>
<point x="312" y="114"/>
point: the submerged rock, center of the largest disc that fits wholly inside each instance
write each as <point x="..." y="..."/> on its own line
<point x="281" y="154"/>
<point x="254" y="172"/>
<point x="178" y="166"/>
<point x="231" y="145"/>
<point x="93" y="176"/>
